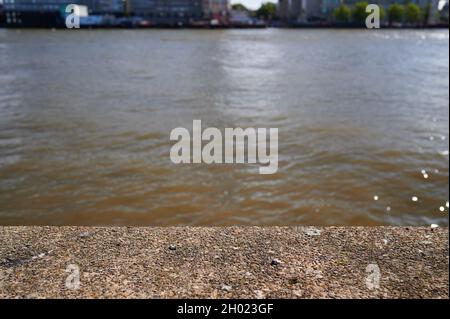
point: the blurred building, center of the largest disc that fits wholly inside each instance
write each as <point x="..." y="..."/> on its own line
<point x="166" y="8"/>
<point x="215" y="8"/>
<point x="48" y="13"/>
<point x="94" y="6"/>
<point x="444" y="13"/>
<point x="179" y="8"/>
<point x="35" y="13"/>
<point x="216" y="11"/>
<point x="103" y="6"/>
<point x="291" y="10"/>
<point x="242" y="19"/>
<point x="180" y="11"/>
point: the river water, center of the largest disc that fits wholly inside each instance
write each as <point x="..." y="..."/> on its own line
<point x="85" y="119"/>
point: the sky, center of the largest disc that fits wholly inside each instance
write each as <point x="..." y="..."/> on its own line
<point x="252" y="4"/>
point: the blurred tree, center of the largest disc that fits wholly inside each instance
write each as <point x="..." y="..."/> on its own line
<point x="342" y="14"/>
<point x="412" y="13"/>
<point x="359" y="14"/>
<point x="239" y="7"/>
<point x="382" y="13"/>
<point x="267" y="11"/>
<point x="395" y="13"/>
<point x="427" y="14"/>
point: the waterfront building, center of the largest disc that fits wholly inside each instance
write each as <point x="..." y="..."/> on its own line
<point x="180" y="11"/>
<point x="37" y="13"/>
<point x="240" y="17"/>
<point x="49" y="13"/>
<point x="216" y="10"/>
<point x="115" y="7"/>
<point x="444" y="12"/>
<point x="291" y="10"/>
<point x="94" y="6"/>
<point x="306" y="10"/>
<point x="166" y="8"/>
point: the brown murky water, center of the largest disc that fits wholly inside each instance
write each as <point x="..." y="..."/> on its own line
<point x="85" y="119"/>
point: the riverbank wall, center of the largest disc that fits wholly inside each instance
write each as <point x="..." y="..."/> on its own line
<point x="224" y="262"/>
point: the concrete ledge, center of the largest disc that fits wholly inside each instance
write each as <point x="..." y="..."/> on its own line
<point x="230" y="262"/>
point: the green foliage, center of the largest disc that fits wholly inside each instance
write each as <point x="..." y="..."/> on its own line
<point x="426" y="14"/>
<point x="342" y="13"/>
<point x="239" y="7"/>
<point x="413" y="13"/>
<point x="359" y="14"/>
<point x="267" y="11"/>
<point x="382" y="13"/>
<point x="395" y="13"/>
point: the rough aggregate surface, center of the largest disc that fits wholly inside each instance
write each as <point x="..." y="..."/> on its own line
<point x="224" y="262"/>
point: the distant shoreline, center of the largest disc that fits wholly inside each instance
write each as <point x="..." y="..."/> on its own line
<point x="343" y="27"/>
<point x="234" y="28"/>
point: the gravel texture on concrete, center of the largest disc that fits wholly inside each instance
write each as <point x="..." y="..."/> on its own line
<point x="224" y="262"/>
